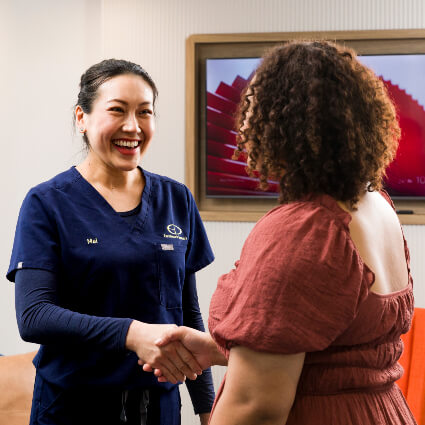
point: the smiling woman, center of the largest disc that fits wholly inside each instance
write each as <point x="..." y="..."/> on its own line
<point x="104" y="262"/>
<point x="120" y="124"/>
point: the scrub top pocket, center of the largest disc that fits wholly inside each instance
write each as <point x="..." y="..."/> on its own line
<point x="171" y="272"/>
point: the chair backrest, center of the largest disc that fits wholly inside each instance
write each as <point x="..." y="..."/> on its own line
<point x="412" y="382"/>
<point x="17" y="374"/>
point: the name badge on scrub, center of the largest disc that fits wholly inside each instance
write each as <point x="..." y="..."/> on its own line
<point x="167" y="247"/>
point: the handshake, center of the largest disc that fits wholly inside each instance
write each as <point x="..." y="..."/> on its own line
<point x="173" y="353"/>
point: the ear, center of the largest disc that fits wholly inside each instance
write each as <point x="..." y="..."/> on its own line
<point x="80" y="118"/>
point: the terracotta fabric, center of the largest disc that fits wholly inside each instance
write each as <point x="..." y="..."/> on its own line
<point x="412" y="382"/>
<point x="301" y="286"/>
<point x="17" y="375"/>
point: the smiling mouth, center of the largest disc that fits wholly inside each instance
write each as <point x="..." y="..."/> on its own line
<point x="127" y="144"/>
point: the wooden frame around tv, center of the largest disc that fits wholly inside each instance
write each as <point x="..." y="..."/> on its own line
<point x="201" y="46"/>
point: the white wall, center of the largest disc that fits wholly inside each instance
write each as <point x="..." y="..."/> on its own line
<point x="45" y="47"/>
<point x="51" y="42"/>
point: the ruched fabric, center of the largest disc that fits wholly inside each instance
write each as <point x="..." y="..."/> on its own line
<point x="301" y="286"/>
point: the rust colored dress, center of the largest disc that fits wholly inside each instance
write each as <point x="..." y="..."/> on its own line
<point x="301" y="286"/>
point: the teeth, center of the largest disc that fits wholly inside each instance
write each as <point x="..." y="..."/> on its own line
<point x="126" y="143"/>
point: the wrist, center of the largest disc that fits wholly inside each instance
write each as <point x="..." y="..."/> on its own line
<point x="133" y="335"/>
<point x="204" y="418"/>
<point x="217" y="357"/>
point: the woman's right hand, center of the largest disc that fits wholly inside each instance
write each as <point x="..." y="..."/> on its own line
<point x="200" y="344"/>
<point x="174" y="360"/>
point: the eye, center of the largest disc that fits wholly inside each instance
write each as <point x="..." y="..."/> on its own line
<point x="146" y="112"/>
<point x="116" y="109"/>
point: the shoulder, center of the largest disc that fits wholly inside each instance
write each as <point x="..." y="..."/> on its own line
<point x="60" y="182"/>
<point x="308" y="236"/>
<point x="50" y="192"/>
<point x="168" y="185"/>
<point x="164" y="180"/>
<point x="44" y="201"/>
<point x="309" y="218"/>
<point x="299" y="273"/>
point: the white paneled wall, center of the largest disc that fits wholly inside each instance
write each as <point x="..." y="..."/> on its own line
<point x="45" y="46"/>
<point x="51" y="42"/>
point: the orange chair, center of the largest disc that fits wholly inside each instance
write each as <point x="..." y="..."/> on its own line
<point x="412" y="383"/>
<point x="17" y="374"/>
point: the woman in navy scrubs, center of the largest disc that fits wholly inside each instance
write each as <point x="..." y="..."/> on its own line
<point x="104" y="261"/>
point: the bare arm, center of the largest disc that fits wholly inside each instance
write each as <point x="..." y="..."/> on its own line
<point x="199" y="344"/>
<point x="260" y="388"/>
<point x="204" y="418"/>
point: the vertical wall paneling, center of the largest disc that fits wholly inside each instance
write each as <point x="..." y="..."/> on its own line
<point x="45" y="47"/>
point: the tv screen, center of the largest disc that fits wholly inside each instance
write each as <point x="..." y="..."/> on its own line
<point x="404" y="77"/>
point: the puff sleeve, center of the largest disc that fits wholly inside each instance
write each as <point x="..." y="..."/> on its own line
<point x="297" y="286"/>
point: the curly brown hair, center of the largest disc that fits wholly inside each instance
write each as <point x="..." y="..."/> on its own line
<point x="319" y="121"/>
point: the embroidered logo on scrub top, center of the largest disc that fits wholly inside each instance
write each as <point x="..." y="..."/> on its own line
<point x="174" y="232"/>
<point x="90" y="241"/>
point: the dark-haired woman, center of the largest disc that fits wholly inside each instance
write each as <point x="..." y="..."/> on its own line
<point x="104" y="260"/>
<point x="309" y="321"/>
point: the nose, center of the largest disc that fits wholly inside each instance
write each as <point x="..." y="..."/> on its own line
<point x="131" y="124"/>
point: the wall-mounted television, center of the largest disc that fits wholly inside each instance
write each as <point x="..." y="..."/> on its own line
<point x="225" y="78"/>
<point x="219" y="68"/>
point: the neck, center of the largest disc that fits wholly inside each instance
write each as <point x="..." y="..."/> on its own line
<point x="108" y="177"/>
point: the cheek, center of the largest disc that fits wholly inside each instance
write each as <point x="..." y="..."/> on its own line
<point x="149" y="129"/>
<point x="100" y="131"/>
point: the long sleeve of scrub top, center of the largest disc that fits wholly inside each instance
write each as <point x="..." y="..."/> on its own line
<point x="42" y="321"/>
<point x="201" y="390"/>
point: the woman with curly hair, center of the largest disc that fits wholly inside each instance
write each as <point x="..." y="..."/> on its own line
<point x="309" y="321"/>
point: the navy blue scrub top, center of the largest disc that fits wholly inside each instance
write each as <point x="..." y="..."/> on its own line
<point x="107" y="268"/>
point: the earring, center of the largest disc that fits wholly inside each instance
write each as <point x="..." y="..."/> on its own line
<point x="82" y="130"/>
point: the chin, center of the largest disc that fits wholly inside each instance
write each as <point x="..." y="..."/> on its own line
<point x="127" y="165"/>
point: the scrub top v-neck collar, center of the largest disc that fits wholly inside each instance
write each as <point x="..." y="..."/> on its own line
<point x="93" y="193"/>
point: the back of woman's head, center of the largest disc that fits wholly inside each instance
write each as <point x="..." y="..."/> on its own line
<point x="319" y="121"/>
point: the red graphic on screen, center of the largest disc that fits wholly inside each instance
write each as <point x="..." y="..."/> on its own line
<point x="227" y="177"/>
<point x="406" y="174"/>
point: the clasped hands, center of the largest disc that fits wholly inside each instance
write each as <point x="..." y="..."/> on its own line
<point x="172" y="353"/>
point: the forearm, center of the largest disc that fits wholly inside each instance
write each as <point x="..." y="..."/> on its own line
<point x="248" y="412"/>
<point x="201" y="392"/>
<point x="49" y="324"/>
<point x="204" y="418"/>
<point x="42" y="321"/>
<point x="217" y="356"/>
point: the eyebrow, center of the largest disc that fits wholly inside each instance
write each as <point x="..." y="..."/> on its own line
<point x="125" y="103"/>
